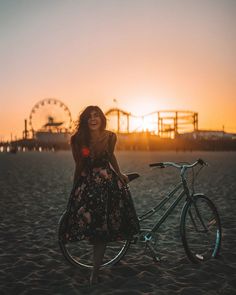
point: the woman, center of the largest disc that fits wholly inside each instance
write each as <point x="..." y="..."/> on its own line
<point x="100" y="208"/>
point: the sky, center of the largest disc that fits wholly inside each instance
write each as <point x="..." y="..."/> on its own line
<point x="148" y="55"/>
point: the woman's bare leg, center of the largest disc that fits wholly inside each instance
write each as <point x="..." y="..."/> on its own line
<point x="98" y="254"/>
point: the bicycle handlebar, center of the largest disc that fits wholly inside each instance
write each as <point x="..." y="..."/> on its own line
<point x="179" y="166"/>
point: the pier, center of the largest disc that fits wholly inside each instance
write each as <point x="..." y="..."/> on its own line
<point x="51" y="126"/>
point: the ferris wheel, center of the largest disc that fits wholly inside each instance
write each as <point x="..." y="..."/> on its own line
<point x="50" y="114"/>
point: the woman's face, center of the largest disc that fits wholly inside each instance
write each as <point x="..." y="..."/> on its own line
<point x="94" y="121"/>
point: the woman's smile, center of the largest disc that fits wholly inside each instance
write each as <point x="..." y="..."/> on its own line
<point x="94" y="121"/>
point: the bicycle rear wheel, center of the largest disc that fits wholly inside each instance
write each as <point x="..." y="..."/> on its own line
<point x="80" y="253"/>
<point x="200" y="229"/>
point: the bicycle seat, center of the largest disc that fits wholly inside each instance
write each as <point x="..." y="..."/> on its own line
<point x="132" y="176"/>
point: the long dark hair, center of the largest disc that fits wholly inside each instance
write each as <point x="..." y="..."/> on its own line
<point x="81" y="137"/>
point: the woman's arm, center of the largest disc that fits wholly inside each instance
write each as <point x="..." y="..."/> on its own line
<point x="115" y="164"/>
<point x="114" y="161"/>
<point x="116" y="167"/>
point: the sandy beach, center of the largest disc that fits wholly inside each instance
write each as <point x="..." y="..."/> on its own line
<point x="34" y="191"/>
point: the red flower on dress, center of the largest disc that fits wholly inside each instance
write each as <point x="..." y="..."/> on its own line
<point x="85" y="152"/>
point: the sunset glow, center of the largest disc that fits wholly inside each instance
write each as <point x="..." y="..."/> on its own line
<point x="139" y="56"/>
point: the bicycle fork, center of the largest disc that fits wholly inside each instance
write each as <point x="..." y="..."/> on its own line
<point x="205" y="229"/>
<point x="198" y="215"/>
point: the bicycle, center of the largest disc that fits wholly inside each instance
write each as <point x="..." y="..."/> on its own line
<point x="200" y="226"/>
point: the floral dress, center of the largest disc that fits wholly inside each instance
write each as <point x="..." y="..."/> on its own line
<point x="100" y="206"/>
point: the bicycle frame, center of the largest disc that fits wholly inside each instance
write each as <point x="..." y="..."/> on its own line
<point x="181" y="189"/>
<point x="159" y="206"/>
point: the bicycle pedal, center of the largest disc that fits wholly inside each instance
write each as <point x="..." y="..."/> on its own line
<point x="156" y="259"/>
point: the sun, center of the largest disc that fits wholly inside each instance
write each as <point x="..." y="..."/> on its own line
<point x="142" y="116"/>
<point x="146" y="123"/>
<point x="148" y="126"/>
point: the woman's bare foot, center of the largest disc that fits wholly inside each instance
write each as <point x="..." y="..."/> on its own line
<point x="93" y="278"/>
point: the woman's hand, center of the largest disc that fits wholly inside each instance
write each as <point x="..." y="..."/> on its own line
<point x="124" y="178"/>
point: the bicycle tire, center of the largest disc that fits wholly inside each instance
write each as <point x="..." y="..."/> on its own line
<point x="79" y="253"/>
<point x="200" y="229"/>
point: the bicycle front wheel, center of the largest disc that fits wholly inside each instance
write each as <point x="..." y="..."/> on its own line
<point x="80" y="253"/>
<point x="200" y="229"/>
